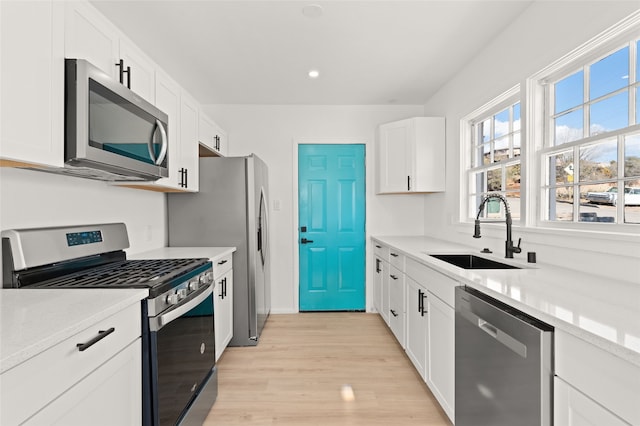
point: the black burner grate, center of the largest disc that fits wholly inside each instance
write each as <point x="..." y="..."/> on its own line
<point x="147" y="273"/>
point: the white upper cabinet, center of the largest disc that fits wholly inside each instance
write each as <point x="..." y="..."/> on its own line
<point x="32" y="75"/>
<point x="212" y="137"/>
<point x="89" y="35"/>
<point x="188" y="149"/>
<point x="139" y="72"/>
<point x="411" y="156"/>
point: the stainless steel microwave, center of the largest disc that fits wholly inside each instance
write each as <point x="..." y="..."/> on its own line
<point x="110" y="132"/>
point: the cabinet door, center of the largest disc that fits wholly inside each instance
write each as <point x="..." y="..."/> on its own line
<point x="440" y="346"/>
<point x="212" y="136"/>
<point x="168" y="100"/>
<point x="417" y="323"/>
<point x="189" y="141"/>
<point x="110" y="395"/>
<point x="142" y="75"/>
<point x="378" y="273"/>
<point x="223" y="312"/>
<point x="384" y="310"/>
<point x="572" y="408"/>
<point x="394" y="147"/>
<point x="32" y="83"/>
<point x="89" y="35"/>
<point x="396" y="304"/>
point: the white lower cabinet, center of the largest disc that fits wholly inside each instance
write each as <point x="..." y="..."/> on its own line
<point x="593" y="386"/>
<point x="417" y="326"/>
<point x="396" y="304"/>
<point x="440" y="351"/>
<point x="421" y="315"/>
<point x="223" y="302"/>
<point x="115" y="383"/>
<point x="573" y="408"/>
<point x="71" y="385"/>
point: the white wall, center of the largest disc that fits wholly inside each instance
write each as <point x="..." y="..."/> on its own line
<point x="542" y="34"/>
<point x="33" y="199"/>
<point x="271" y="131"/>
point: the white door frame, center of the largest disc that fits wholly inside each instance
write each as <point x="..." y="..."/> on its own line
<point x="294" y="206"/>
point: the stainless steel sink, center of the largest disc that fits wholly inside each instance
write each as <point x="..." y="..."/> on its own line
<point x="471" y="261"/>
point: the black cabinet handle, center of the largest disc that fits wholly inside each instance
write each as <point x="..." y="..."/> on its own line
<point x="224" y="287"/>
<point x="222" y="262"/>
<point x="186" y="177"/>
<point x="305" y="241"/>
<point x="394" y="254"/>
<point x="393" y="277"/>
<point x="378" y="265"/>
<point x="377" y="246"/>
<point x="393" y="313"/>
<point x="408" y="183"/>
<point x="422" y="295"/>
<point x="122" y="72"/>
<point x="420" y="300"/>
<point x="101" y="335"/>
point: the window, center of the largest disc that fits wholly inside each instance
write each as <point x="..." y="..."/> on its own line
<point x="494" y="150"/>
<point x="591" y="152"/>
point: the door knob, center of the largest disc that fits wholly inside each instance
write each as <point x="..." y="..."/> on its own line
<point x="305" y="241"/>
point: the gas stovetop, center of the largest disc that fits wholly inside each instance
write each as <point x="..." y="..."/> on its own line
<point x="148" y="273"/>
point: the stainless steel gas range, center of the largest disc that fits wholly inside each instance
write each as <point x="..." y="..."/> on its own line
<point x="179" y="375"/>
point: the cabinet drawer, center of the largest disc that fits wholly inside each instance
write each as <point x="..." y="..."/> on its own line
<point x="63" y="365"/>
<point x="222" y="265"/>
<point x="607" y="379"/>
<point x="396" y="259"/>
<point x="381" y="251"/>
<point x="437" y="283"/>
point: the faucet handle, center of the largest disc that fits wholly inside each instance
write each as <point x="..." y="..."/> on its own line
<point x="517" y="248"/>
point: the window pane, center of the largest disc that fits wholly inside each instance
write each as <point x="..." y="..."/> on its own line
<point x="561" y="168"/>
<point x="610" y="114"/>
<point x="598" y="203"/>
<point x="512" y="178"/>
<point x="632" y="156"/>
<point x="560" y="203"/>
<point x="494" y="180"/>
<point x="599" y="161"/>
<point x="516" y="117"/>
<point x="569" y="92"/>
<point x="501" y="149"/>
<point x="484" y="154"/>
<point x="514" y="203"/>
<point x="479" y="183"/>
<point x="609" y="74"/>
<point x="638" y="103"/>
<point x="501" y="122"/>
<point x="485" y="130"/>
<point x="632" y="202"/>
<point x="516" y="144"/>
<point x="569" y="127"/>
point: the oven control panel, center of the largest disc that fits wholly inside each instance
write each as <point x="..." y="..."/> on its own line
<point x="189" y="285"/>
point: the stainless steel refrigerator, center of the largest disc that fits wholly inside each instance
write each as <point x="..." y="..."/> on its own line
<point x="231" y="211"/>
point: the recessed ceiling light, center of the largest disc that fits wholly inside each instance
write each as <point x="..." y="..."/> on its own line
<point x="312" y="11"/>
<point x="314" y="73"/>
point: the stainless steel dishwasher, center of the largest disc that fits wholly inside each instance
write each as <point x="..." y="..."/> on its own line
<point x="503" y="364"/>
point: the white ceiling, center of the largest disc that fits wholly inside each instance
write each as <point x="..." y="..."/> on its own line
<point x="259" y="52"/>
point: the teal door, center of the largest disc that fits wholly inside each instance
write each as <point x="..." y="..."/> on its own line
<point x="331" y="234"/>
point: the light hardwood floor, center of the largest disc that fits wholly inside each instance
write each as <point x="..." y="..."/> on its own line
<point x="296" y="375"/>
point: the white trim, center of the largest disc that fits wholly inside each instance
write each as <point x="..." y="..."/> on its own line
<point x="294" y="206"/>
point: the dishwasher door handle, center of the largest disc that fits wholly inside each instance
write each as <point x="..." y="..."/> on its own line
<point x="488" y="328"/>
<point x="500" y="336"/>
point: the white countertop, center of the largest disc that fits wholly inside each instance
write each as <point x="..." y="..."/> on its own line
<point x="596" y="309"/>
<point x="212" y="253"/>
<point x="32" y="321"/>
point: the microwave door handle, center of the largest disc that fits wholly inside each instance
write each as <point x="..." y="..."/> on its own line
<point x="152" y="154"/>
<point x="165" y="144"/>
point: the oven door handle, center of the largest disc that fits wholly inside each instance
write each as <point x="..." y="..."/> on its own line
<point x="160" y="321"/>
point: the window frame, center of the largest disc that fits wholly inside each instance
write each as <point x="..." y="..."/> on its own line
<point x="468" y="133"/>
<point x="541" y="132"/>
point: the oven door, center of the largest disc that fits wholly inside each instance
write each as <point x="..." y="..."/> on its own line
<point x="182" y="346"/>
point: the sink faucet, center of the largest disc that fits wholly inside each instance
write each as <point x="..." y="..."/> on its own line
<point x="509" y="247"/>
